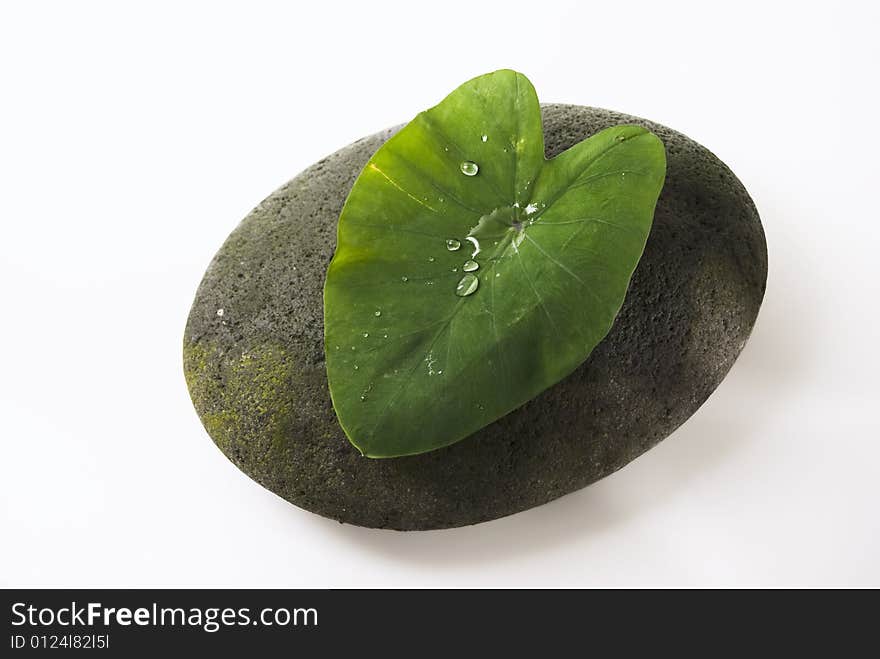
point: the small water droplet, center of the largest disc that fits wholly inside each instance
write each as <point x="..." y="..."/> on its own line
<point x="378" y="313"/>
<point x="467" y="285"/>
<point x="363" y="396"/>
<point x="469" y="168"/>
<point x="429" y="283"/>
<point x="352" y="347"/>
<point x="404" y="278"/>
<point x="366" y="334"/>
<point x="455" y="270"/>
<point x="384" y="336"/>
<point x="220" y="312"/>
<point x="470" y="266"/>
<point x="484" y="137"/>
<point x="452" y="244"/>
<point x="446" y="148"/>
<point x="497" y="274"/>
<point x="356" y="367"/>
<point x="531" y="208"/>
<point x="620" y="138"/>
<point x="440" y="199"/>
<point x="476" y="244"/>
<point x="430" y="259"/>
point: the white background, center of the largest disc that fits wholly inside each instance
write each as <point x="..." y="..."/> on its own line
<point x="132" y="141"/>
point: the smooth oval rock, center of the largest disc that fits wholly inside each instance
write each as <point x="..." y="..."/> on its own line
<point x="254" y="354"/>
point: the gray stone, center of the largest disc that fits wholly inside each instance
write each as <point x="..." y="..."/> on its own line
<point x="256" y="373"/>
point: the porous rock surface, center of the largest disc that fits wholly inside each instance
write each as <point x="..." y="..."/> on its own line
<point x="254" y="355"/>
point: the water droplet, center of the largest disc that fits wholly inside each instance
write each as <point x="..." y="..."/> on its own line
<point x="455" y="270"/>
<point x="476" y="244"/>
<point x="219" y="312"/>
<point x="440" y="199"/>
<point x="430" y="259"/>
<point x="384" y="336"/>
<point x="452" y="244"/>
<point x="484" y="137"/>
<point x="620" y="138"/>
<point x="470" y="266"/>
<point x="404" y="278"/>
<point x="363" y="396"/>
<point x="378" y="313"/>
<point x="446" y="148"/>
<point x="356" y="367"/>
<point x="467" y="285"/>
<point x="531" y="208"/>
<point x="366" y="334"/>
<point x="497" y="274"/>
<point x="469" y="168"/>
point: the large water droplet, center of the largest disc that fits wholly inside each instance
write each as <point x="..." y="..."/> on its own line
<point x="470" y="266"/>
<point x="467" y="285"/>
<point x="484" y="137"/>
<point x="452" y="244"/>
<point x="469" y="168"/>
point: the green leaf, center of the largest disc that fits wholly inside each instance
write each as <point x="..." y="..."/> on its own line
<point x="421" y="353"/>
